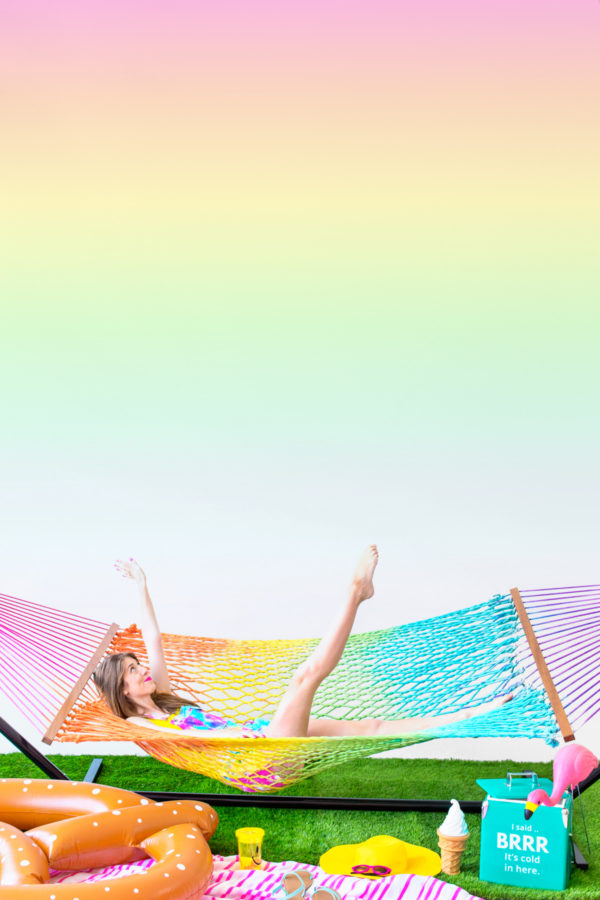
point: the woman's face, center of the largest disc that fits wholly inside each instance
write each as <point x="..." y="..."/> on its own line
<point x="137" y="681"/>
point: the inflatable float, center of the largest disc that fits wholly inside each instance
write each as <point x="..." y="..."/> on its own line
<point x="70" y="825"/>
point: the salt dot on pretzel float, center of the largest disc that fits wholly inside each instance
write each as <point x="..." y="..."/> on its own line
<point x="27" y="781"/>
<point x="50" y="786"/>
<point x="192" y="836"/>
<point x="96" y="791"/>
<point x="144" y="801"/>
<point x="116" y="812"/>
<point x="24" y="862"/>
<point x="181" y="866"/>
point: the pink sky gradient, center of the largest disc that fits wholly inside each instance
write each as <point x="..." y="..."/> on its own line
<point x="310" y="31"/>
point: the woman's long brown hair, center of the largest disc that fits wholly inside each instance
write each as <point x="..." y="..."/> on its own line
<point x="108" y="678"/>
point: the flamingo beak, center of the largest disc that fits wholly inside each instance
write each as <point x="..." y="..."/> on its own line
<point x="530" y="808"/>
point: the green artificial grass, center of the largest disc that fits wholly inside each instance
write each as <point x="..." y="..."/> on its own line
<point x="303" y="835"/>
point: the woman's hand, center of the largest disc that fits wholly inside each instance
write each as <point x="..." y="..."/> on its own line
<point x="131" y="569"/>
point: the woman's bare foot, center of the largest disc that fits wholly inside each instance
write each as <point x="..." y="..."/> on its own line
<point x="362" y="580"/>
<point x="424" y="723"/>
<point x="472" y="711"/>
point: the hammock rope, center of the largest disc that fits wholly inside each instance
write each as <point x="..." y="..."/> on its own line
<point x="566" y="623"/>
<point x="436" y="666"/>
<point x="43" y="652"/>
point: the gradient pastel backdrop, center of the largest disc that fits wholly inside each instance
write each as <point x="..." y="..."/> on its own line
<point x="280" y="279"/>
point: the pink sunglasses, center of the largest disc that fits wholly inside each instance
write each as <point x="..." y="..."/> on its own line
<point x="379" y="871"/>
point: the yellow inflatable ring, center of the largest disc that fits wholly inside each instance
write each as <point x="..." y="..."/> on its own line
<point x="65" y="834"/>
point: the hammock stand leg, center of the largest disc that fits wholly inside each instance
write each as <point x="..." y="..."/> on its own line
<point x="579" y="860"/>
<point x="28" y="750"/>
<point x="41" y="761"/>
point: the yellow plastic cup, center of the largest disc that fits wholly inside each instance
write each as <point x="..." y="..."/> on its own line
<point x="250" y="847"/>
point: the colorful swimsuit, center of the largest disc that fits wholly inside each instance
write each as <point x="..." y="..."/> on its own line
<point x="187" y="718"/>
<point x="192" y="718"/>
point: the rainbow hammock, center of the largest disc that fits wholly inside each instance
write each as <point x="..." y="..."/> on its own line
<point x="542" y="645"/>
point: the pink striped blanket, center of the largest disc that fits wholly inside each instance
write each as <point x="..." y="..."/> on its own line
<point x="231" y="883"/>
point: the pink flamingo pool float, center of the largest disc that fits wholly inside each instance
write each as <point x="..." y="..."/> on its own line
<point x="572" y="764"/>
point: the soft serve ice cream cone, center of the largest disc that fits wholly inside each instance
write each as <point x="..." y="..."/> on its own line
<point x="453" y="835"/>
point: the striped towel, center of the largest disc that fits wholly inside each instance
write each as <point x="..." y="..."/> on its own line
<point x="228" y="881"/>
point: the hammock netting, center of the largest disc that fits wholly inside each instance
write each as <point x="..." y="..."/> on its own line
<point x="433" y="667"/>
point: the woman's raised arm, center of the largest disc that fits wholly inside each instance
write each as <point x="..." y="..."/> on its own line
<point x="150" y="629"/>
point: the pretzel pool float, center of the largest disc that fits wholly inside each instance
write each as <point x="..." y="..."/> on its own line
<point x="78" y="825"/>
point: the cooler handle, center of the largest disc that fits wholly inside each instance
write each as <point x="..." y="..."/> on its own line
<point x="532" y="775"/>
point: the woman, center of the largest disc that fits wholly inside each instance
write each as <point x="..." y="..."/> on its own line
<point x="144" y="696"/>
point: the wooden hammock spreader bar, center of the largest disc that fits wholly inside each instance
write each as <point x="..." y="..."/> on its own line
<point x="80" y="684"/>
<point x="542" y="666"/>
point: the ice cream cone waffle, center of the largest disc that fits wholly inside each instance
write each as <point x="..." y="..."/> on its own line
<point x="451" y="847"/>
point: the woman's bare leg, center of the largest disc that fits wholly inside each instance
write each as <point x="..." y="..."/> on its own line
<point x="410" y="725"/>
<point x="292" y="716"/>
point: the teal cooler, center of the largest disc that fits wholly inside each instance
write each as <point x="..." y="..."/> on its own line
<point x="532" y="853"/>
